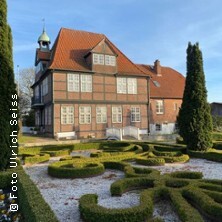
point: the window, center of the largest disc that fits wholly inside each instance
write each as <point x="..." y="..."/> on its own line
<point x="175" y="106"/>
<point x="84" y="114"/>
<point x="98" y="59"/>
<point x="126" y="85"/>
<point x="101" y="114"/>
<point x="73" y="82"/>
<point x="121" y="85"/>
<point x="117" y="114"/>
<point x="158" y="127"/>
<point x="37" y="118"/>
<point x="45" y="86"/>
<point x="67" y="114"/>
<point x="36" y="91"/>
<point x="132" y="86"/>
<point x="77" y="80"/>
<point x="86" y="83"/>
<point x="135" y="114"/>
<point x="159" y="106"/>
<point x="110" y="60"/>
<point x="48" y="115"/>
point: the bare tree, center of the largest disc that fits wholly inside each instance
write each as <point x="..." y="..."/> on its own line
<point x="25" y="80"/>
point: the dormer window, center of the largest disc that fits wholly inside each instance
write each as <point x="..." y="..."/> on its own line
<point x="98" y="59"/>
<point x="110" y="60"/>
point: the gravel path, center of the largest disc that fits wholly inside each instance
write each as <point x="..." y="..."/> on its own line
<point x="63" y="194"/>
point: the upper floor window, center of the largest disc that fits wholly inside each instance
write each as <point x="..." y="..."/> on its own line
<point x="45" y="86"/>
<point x="84" y="114"/>
<point x="77" y="83"/>
<point x="36" y="92"/>
<point x="159" y="106"/>
<point x="101" y="114"/>
<point x="135" y="114"/>
<point x="110" y="60"/>
<point x="116" y="114"/>
<point x="67" y="114"/>
<point x="98" y="59"/>
<point x="126" y="85"/>
<point x="38" y="68"/>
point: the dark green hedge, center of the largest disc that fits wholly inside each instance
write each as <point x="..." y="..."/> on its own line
<point x="217" y="145"/>
<point x="187" y="175"/>
<point x="55" y="153"/>
<point x="36" y="158"/>
<point x="206" y="203"/>
<point x="176" y="183"/>
<point x="127" y="184"/>
<point x="92" y="212"/>
<point x="156" y="161"/>
<point x="65" y="169"/>
<point x="32" y="204"/>
<point x="216" y="136"/>
<point x="213" y="156"/>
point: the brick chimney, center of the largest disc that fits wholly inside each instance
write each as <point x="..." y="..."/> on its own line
<point x="157" y="67"/>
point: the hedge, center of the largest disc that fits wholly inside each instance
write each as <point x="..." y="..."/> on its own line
<point x="36" y="158"/>
<point x="213" y="156"/>
<point x="87" y="146"/>
<point x="91" y="211"/>
<point x="31" y="203"/>
<point x="66" y="170"/>
<point x="168" y="154"/>
<point x="170" y="148"/>
<point x="216" y="136"/>
<point x="217" y="145"/>
<point x="55" y="153"/>
<point x="127" y="184"/>
<point x="117" y="147"/>
<point x="33" y="206"/>
<point x="187" y="175"/>
<point x="156" y="161"/>
<point x="176" y="183"/>
<point x="204" y="202"/>
<point x="177" y="159"/>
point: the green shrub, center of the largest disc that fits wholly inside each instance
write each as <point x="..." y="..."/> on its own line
<point x="170" y="148"/>
<point x="87" y="146"/>
<point x="5" y="179"/>
<point x="32" y="204"/>
<point x="213" y="156"/>
<point x="217" y="197"/>
<point x="216" y="136"/>
<point x="217" y="145"/>
<point x="176" y="159"/>
<point x="150" y="161"/>
<point x="36" y="158"/>
<point x="55" y="153"/>
<point x="123" y="185"/>
<point x="92" y="212"/>
<point x="203" y="201"/>
<point x="168" y="154"/>
<point x="187" y="175"/>
<point x="67" y="169"/>
<point x="176" y="183"/>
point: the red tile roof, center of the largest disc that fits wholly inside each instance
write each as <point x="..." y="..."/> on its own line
<point x="171" y="82"/>
<point x="71" y="46"/>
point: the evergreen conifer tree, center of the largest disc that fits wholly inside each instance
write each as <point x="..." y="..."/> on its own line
<point x="194" y="119"/>
<point x="7" y="89"/>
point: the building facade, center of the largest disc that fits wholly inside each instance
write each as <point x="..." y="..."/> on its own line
<point x="86" y="84"/>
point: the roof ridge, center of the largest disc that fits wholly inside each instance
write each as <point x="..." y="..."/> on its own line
<point x="75" y="30"/>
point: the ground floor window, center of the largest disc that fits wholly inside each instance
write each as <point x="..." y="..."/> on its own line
<point x="116" y="114"/>
<point x="135" y="114"/>
<point x="101" y="114"/>
<point x="48" y="115"/>
<point x="67" y="114"/>
<point x="84" y="114"/>
<point x="158" y="127"/>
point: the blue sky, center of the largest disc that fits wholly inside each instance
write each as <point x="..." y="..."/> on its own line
<point x="144" y="30"/>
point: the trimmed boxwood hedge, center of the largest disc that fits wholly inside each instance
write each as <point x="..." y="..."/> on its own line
<point x="92" y="212"/>
<point x="217" y="145"/>
<point x="187" y="175"/>
<point x="66" y="170"/>
<point x="31" y="203"/>
<point x="36" y="158"/>
<point x="156" y="161"/>
<point x="213" y="156"/>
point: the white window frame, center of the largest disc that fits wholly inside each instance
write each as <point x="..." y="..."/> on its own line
<point x="110" y="60"/>
<point x="86" y="83"/>
<point x="85" y="115"/>
<point x="45" y="87"/>
<point x="101" y="114"/>
<point x="159" y="107"/>
<point x="158" y="127"/>
<point x="117" y="114"/>
<point x="98" y="59"/>
<point x="67" y="115"/>
<point x="73" y="82"/>
<point x="135" y="114"/>
<point x="132" y="85"/>
<point x="121" y="85"/>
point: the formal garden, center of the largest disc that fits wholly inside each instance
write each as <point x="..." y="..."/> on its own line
<point x="117" y="181"/>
